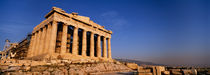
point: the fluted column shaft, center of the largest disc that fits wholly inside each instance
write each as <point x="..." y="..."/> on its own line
<point x="34" y="45"/>
<point x="84" y="42"/>
<point x="99" y="46"/>
<point x="91" y="44"/>
<point x="75" y="41"/>
<point x="37" y="43"/>
<point x="48" y="38"/>
<point x="104" y="48"/>
<point x="53" y="37"/>
<point x="109" y="48"/>
<point x="42" y="41"/>
<point x="30" y="46"/>
<point x="64" y="39"/>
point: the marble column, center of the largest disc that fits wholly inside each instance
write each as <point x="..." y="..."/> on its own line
<point x="104" y="48"/>
<point x="91" y="44"/>
<point x="84" y="42"/>
<point x="34" y="45"/>
<point x="30" y="46"/>
<point x="99" y="46"/>
<point x="53" y="37"/>
<point x="42" y="40"/>
<point x="64" y="39"/>
<point x="75" y="41"/>
<point x="109" y="48"/>
<point x="36" y="51"/>
<point x="47" y="39"/>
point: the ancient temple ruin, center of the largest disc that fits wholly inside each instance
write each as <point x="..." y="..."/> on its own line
<point x="69" y="36"/>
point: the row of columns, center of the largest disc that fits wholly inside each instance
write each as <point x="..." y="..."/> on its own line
<point x="43" y="41"/>
<point x="84" y="43"/>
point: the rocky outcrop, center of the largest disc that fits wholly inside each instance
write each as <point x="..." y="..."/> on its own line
<point x="62" y="67"/>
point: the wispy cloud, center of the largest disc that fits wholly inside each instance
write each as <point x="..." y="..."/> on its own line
<point x="113" y="20"/>
<point x="110" y="13"/>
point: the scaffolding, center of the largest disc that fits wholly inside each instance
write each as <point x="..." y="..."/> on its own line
<point x="15" y="50"/>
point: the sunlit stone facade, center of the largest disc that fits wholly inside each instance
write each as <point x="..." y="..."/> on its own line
<point x="69" y="36"/>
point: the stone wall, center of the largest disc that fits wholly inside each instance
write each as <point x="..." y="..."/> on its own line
<point x="60" y="67"/>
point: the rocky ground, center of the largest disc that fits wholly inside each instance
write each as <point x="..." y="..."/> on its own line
<point x="61" y="67"/>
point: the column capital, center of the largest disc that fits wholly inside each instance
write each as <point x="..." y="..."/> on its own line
<point x="76" y="27"/>
<point x="54" y="21"/>
<point x="44" y="28"/>
<point x="84" y="30"/>
<point x="99" y="35"/>
<point x="65" y="23"/>
<point x="92" y="32"/>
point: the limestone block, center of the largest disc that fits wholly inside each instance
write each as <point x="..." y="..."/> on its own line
<point x="36" y="73"/>
<point x="36" y="63"/>
<point x="187" y="72"/>
<point x="4" y="67"/>
<point x="144" y="73"/>
<point x="132" y="65"/>
<point x="166" y="72"/>
<point x="159" y="69"/>
<point x="16" y="64"/>
<point x="175" y="69"/>
<point x="147" y="70"/>
<point x="71" y="71"/>
<point x="55" y="61"/>
<point x="50" y="69"/>
<point x="38" y="69"/>
<point x="19" y="73"/>
<point x="26" y="68"/>
<point x="46" y="73"/>
<point x="140" y="68"/>
<point x="176" y="73"/>
<point x="28" y="73"/>
<point x="48" y="63"/>
<point x="13" y="69"/>
<point x="117" y="62"/>
<point x="57" y="72"/>
<point x="65" y="71"/>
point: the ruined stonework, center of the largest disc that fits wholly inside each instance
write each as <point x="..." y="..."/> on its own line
<point x="61" y="67"/>
<point x="69" y="36"/>
<point x="62" y="44"/>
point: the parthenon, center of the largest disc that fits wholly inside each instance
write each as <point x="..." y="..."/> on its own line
<point x="69" y="35"/>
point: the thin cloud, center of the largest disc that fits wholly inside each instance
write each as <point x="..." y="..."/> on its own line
<point x="113" y="20"/>
<point x="110" y="14"/>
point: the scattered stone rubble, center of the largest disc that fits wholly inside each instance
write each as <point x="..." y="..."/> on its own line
<point x="60" y="67"/>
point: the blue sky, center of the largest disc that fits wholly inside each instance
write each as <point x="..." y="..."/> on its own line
<point x="160" y="31"/>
